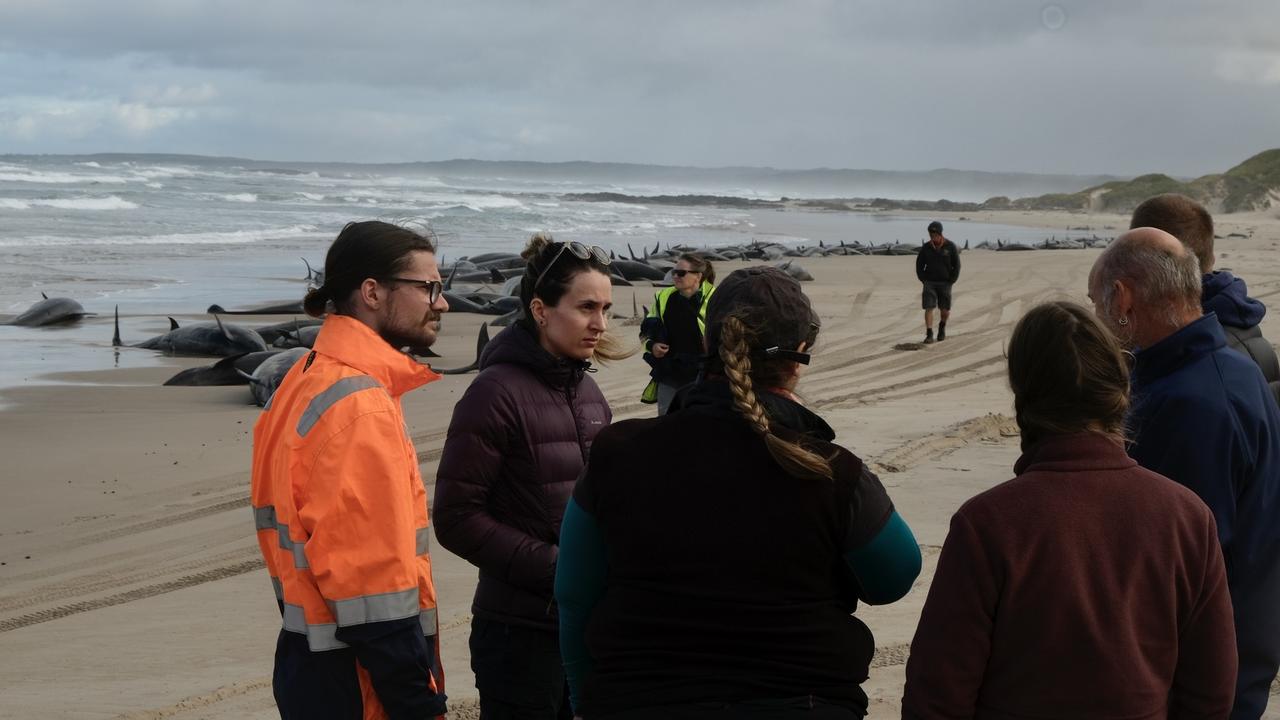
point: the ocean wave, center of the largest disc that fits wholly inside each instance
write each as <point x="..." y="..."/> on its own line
<point x="316" y="197"/>
<point x="45" y="177"/>
<point x="234" y="237"/>
<point x="110" y="202"/>
<point x="241" y="197"/>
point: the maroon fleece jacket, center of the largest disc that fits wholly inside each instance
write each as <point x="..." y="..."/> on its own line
<point x="1084" y="587"/>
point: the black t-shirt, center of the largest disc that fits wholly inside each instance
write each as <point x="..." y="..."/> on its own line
<point x="727" y="578"/>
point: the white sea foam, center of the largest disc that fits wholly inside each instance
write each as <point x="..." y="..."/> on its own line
<point x="89" y="163"/>
<point x="155" y="185"/>
<point x="317" y="197"/>
<point x="110" y="202"/>
<point x="236" y="237"/>
<point x="241" y="197"/>
<point x="58" y="178"/>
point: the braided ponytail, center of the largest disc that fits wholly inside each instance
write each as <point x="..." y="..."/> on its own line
<point x="735" y="353"/>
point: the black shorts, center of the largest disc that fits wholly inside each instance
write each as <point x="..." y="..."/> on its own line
<point x="936" y="295"/>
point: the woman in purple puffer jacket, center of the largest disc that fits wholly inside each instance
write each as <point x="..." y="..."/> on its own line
<point x="517" y="442"/>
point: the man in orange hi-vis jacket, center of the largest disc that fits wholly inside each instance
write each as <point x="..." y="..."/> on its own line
<point x="340" y="509"/>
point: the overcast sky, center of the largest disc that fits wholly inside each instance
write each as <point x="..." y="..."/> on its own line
<point x="1089" y="86"/>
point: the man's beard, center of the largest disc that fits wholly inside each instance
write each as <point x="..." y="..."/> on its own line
<point x="417" y="337"/>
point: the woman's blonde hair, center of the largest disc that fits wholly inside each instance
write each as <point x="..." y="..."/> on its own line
<point x="738" y="344"/>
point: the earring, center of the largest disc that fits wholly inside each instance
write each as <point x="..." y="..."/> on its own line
<point x="1122" y="321"/>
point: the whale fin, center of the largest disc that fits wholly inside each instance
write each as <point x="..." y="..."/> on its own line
<point x="115" y="341"/>
<point x="482" y="340"/>
<point x="448" y="282"/>
<point x="631" y="252"/>
<point x="251" y="379"/>
<point x="46" y="297"/>
<point x="223" y="329"/>
<point x="496" y="275"/>
<point x="173" y="324"/>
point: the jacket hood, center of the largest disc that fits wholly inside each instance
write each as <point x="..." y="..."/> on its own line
<point x="714" y="394"/>
<point x="517" y="346"/>
<point x="1227" y="295"/>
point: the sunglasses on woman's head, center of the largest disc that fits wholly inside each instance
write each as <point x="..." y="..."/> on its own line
<point x="580" y="251"/>
<point x="434" y="288"/>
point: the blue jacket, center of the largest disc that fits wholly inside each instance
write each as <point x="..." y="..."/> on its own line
<point x="1227" y="296"/>
<point x="1203" y="416"/>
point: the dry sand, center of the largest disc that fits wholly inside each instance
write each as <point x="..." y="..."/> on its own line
<point x="131" y="585"/>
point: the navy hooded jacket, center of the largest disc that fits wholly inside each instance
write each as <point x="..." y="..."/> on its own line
<point x="1203" y="416"/>
<point x="1227" y="296"/>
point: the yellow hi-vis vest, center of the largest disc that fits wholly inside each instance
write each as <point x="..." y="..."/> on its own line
<point x="659" y="309"/>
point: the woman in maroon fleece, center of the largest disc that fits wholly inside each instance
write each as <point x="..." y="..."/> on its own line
<point x="1085" y="587"/>
<point x="518" y="440"/>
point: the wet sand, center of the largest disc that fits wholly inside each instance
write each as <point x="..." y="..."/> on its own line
<point x="131" y="585"/>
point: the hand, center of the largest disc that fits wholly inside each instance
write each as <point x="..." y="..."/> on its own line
<point x="660" y="349"/>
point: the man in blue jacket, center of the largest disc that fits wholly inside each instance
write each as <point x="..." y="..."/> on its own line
<point x="1222" y="293"/>
<point x="1202" y="414"/>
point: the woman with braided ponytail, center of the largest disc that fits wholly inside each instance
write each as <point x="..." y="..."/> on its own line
<point x="726" y="587"/>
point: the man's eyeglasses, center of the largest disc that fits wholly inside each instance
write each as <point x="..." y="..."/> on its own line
<point x="580" y="251"/>
<point x="434" y="288"/>
<point x="682" y="273"/>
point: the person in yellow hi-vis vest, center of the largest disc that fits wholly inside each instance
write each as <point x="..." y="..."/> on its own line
<point x="338" y="502"/>
<point x="674" y="330"/>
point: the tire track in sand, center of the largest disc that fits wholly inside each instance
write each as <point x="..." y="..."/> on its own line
<point x="186" y="581"/>
<point x="113" y="577"/>
<point x="935" y="445"/>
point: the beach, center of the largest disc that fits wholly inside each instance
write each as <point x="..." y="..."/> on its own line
<point x="130" y="580"/>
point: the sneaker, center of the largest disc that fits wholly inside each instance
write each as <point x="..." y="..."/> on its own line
<point x="928" y="336"/>
<point x="942" y="333"/>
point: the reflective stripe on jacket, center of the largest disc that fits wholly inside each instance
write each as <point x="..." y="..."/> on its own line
<point x="660" y="298"/>
<point x="340" y="508"/>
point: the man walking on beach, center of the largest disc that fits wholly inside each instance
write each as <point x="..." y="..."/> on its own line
<point x="1202" y="415"/>
<point x="938" y="268"/>
<point x="340" y="509"/>
<point x="1221" y="292"/>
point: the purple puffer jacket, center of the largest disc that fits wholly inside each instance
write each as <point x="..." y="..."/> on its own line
<point x="518" y="440"/>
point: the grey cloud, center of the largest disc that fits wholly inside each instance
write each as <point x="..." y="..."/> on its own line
<point x="1121" y="87"/>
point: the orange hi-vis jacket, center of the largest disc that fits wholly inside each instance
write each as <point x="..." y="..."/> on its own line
<point x="341" y="517"/>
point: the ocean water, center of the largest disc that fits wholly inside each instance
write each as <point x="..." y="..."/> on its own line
<point x="158" y="235"/>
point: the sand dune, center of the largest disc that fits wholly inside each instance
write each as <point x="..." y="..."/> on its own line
<point x="131" y="585"/>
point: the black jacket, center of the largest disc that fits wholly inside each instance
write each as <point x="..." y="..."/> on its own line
<point x="938" y="264"/>
<point x="727" y="576"/>
<point x="517" y="442"/>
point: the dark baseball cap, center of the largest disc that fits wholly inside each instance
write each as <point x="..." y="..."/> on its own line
<point x="935" y="227"/>
<point x="774" y="306"/>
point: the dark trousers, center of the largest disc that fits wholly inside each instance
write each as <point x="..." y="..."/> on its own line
<point x="518" y="672"/>
<point x="804" y="708"/>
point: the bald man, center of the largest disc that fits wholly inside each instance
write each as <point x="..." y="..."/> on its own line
<point x="1202" y="414"/>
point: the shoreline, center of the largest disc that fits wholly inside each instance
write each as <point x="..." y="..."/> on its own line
<point x="130" y="585"/>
